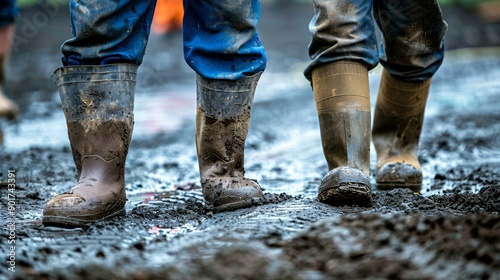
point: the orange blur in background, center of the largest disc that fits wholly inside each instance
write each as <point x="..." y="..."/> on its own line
<point x="168" y="16"/>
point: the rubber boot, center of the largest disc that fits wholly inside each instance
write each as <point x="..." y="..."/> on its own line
<point x="98" y="105"/>
<point x="342" y="98"/>
<point x="8" y="108"/>
<point x="222" y="121"/>
<point x="397" y="124"/>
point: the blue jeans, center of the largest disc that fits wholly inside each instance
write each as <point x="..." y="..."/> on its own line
<point x="220" y="37"/>
<point x="8" y="12"/>
<point x="413" y="33"/>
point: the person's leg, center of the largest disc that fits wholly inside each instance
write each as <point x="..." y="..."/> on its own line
<point x="107" y="32"/>
<point x="342" y="30"/>
<point x="8" y="13"/>
<point x="412" y="51"/>
<point x="222" y="46"/>
<point x="221" y="40"/>
<point x="342" y="50"/>
<point x="97" y="88"/>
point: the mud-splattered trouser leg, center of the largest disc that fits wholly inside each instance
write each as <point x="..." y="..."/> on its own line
<point x="221" y="40"/>
<point x="108" y="32"/>
<point x="413" y="32"/>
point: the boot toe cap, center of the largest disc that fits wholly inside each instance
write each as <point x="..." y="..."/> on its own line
<point x="232" y="194"/>
<point x="238" y="194"/>
<point x="345" y="186"/>
<point x="72" y="210"/>
<point x="66" y="200"/>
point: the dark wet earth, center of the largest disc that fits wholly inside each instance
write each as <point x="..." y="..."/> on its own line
<point x="450" y="230"/>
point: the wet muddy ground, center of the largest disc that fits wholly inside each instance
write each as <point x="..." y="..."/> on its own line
<point x="450" y="230"/>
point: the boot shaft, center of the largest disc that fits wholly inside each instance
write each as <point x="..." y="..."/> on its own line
<point x="93" y="94"/>
<point x="222" y="121"/>
<point x="398" y="121"/>
<point x="226" y="99"/>
<point x="342" y="96"/>
<point x="399" y="115"/>
<point x="8" y="108"/>
<point x="341" y="87"/>
<point x="97" y="102"/>
<point x="402" y="99"/>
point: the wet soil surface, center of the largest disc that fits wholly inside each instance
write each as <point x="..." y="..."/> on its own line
<point x="450" y="230"/>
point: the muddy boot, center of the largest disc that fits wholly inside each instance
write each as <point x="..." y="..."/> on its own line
<point x="222" y="120"/>
<point x="342" y="100"/>
<point x="98" y="105"/>
<point x="8" y="108"/>
<point x="397" y="124"/>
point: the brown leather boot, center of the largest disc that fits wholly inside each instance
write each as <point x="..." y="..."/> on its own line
<point x="222" y="120"/>
<point x="8" y="108"/>
<point x="342" y="98"/>
<point x="397" y="124"/>
<point x="98" y="105"/>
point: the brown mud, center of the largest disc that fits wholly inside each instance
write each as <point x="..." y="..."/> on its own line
<point x="450" y="230"/>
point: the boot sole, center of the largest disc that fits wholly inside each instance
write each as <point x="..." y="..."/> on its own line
<point x="387" y="186"/>
<point x="238" y="205"/>
<point x="347" y="194"/>
<point x="68" y="222"/>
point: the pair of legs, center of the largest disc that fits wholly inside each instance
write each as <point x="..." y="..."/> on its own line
<point x="8" y="13"/>
<point x="97" y="86"/>
<point x="343" y="49"/>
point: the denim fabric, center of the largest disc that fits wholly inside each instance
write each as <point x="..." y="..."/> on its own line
<point x="220" y="37"/>
<point x="413" y="35"/>
<point x="106" y="32"/>
<point x="8" y="12"/>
